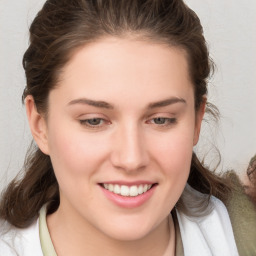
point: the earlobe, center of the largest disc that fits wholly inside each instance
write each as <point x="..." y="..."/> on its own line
<point x="37" y="124"/>
<point x="199" y="117"/>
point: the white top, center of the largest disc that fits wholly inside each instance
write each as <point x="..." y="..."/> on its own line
<point x="20" y="242"/>
<point x="209" y="235"/>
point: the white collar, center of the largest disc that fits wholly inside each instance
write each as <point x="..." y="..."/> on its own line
<point x="208" y="235"/>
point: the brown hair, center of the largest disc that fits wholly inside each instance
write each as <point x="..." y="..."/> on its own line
<point x="63" y="26"/>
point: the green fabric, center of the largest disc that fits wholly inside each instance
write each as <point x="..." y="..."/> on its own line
<point x="179" y="250"/>
<point x="242" y="214"/>
<point x="45" y="239"/>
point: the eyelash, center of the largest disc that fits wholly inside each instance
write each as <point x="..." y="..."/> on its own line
<point x="100" y="122"/>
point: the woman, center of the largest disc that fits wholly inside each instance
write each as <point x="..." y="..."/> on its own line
<point x="116" y="93"/>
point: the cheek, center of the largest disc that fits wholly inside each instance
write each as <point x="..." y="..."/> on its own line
<point x="75" y="159"/>
<point x="173" y="154"/>
<point x="174" y="149"/>
<point x="175" y="162"/>
<point x="75" y="153"/>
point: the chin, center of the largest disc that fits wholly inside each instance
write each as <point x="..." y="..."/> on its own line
<point x="130" y="230"/>
<point x="127" y="234"/>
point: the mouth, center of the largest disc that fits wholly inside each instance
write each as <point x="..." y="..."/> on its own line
<point x="128" y="191"/>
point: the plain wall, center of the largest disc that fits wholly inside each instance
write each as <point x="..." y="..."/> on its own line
<point x="230" y="30"/>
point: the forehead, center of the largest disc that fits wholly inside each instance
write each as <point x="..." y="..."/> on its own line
<point x="121" y="52"/>
<point x="126" y="67"/>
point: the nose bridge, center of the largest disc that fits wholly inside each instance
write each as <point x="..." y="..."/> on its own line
<point x="129" y="150"/>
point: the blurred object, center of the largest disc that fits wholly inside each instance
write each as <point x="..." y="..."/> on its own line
<point x="251" y="173"/>
<point x="252" y="168"/>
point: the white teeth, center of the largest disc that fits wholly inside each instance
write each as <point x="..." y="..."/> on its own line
<point x="134" y="191"/>
<point x="126" y="190"/>
<point x="117" y="189"/>
<point x="140" y="190"/>
<point x="111" y="187"/>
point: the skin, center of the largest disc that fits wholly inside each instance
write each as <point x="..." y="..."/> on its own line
<point x="128" y="144"/>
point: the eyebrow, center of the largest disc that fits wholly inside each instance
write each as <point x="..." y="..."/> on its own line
<point x="103" y="104"/>
<point x="166" y="102"/>
<point x="94" y="103"/>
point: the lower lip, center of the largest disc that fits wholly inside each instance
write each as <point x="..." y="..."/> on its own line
<point x="129" y="201"/>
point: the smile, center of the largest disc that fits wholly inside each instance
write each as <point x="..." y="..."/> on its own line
<point x="129" y="191"/>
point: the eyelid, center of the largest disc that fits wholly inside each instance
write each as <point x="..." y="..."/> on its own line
<point x="161" y="115"/>
<point x="170" y="119"/>
<point x="91" y="119"/>
<point x="86" y="118"/>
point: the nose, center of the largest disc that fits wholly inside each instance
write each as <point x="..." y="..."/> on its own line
<point x="129" y="149"/>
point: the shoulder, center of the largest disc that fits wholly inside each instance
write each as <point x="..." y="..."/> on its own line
<point x="242" y="214"/>
<point x="207" y="233"/>
<point x="15" y="241"/>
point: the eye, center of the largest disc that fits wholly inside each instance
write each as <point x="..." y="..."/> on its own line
<point x="163" y="121"/>
<point x="160" y="120"/>
<point x="93" y="122"/>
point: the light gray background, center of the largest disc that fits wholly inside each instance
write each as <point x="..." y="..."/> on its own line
<point x="230" y="29"/>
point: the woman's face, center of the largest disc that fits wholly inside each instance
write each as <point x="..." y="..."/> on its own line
<point x="122" y="120"/>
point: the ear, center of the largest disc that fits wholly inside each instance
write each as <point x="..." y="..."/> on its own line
<point x="37" y="124"/>
<point x="199" y="117"/>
